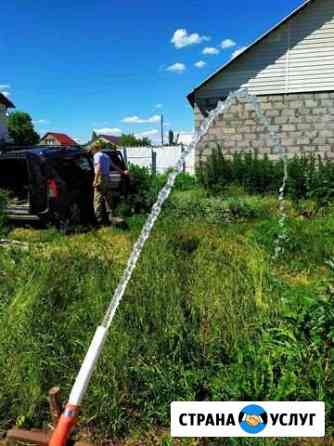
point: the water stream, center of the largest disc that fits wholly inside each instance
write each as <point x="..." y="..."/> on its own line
<point x="83" y="378"/>
<point x="221" y="108"/>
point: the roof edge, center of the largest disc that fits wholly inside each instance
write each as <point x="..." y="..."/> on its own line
<point x="191" y="96"/>
<point x="8" y="103"/>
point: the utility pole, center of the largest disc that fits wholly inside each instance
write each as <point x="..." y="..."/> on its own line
<point x="162" y="128"/>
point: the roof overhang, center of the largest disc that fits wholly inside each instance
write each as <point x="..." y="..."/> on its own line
<point x="4" y="100"/>
<point x="191" y="96"/>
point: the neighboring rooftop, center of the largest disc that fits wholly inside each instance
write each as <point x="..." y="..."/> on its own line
<point x="110" y="138"/>
<point x="62" y="138"/>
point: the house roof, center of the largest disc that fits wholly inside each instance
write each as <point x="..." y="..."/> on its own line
<point x="62" y="138"/>
<point x="4" y="100"/>
<point x="110" y="138"/>
<point x="191" y="96"/>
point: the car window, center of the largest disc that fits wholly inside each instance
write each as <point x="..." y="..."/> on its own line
<point x="116" y="159"/>
<point x="74" y="171"/>
<point x="83" y="163"/>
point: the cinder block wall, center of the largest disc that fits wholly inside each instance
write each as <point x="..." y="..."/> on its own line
<point x="304" y="122"/>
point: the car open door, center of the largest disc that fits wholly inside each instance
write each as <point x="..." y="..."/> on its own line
<point x="37" y="185"/>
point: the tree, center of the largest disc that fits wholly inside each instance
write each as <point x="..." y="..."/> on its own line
<point x="145" y="141"/>
<point x="21" y="129"/>
<point x="131" y="141"/>
<point x="171" y="138"/>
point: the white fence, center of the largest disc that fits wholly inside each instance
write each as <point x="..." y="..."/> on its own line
<point x="159" y="158"/>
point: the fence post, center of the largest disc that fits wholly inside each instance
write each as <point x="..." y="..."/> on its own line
<point x="184" y="163"/>
<point x="154" y="162"/>
<point x="125" y="155"/>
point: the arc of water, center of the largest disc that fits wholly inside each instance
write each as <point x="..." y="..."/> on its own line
<point x="69" y="417"/>
<point x="281" y="150"/>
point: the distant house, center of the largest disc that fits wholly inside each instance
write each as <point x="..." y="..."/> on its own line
<point x="57" y="139"/>
<point x="109" y="140"/>
<point x="291" y="71"/>
<point x="5" y="104"/>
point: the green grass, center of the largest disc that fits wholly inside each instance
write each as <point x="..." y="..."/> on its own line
<point x="208" y="312"/>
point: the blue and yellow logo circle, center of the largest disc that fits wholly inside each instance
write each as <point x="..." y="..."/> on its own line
<point x="253" y="419"/>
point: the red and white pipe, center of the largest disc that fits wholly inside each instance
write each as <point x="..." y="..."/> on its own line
<point x="69" y="417"/>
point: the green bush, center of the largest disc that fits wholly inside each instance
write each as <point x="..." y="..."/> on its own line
<point x="221" y="208"/>
<point x="143" y="192"/>
<point x="184" y="182"/>
<point x="247" y="170"/>
<point x="146" y="188"/>
<point x="309" y="177"/>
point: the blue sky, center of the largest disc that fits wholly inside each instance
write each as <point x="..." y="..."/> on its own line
<point x="83" y="64"/>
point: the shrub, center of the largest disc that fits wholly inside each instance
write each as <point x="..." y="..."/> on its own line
<point x="309" y="177"/>
<point x="184" y="182"/>
<point x="220" y="209"/>
<point x="146" y="188"/>
<point x="247" y="170"/>
<point x="143" y="192"/>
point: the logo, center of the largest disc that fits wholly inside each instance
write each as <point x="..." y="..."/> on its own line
<point x="247" y="419"/>
<point x="253" y="419"/>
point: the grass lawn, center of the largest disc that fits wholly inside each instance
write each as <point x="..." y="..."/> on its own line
<point x="209" y="314"/>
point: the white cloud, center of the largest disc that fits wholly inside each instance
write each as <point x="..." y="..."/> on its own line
<point x="41" y="121"/>
<point x="227" y="43"/>
<point x="5" y="93"/>
<point x="147" y="134"/>
<point x="210" y="50"/>
<point x="238" y="51"/>
<point x="200" y="64"/>
<point x="177" y="68"/>
<point x="137" y="120"/>
<point x="158" y="106"/>
<point x="108" y="131"/>
<point x="181" y="38"/>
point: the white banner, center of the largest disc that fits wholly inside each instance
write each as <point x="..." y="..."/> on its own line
<point x="248" y="419"/>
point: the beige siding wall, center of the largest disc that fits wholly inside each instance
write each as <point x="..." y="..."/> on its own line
<point x="311" y="57"/>
<point x="49" y="140"/>
<point x="298" y="57"/>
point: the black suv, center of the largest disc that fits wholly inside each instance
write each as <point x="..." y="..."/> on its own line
<point x="52" y="184"/>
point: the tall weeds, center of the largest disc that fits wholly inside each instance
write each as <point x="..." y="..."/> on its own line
<point x="310" y="177"/>
<point x="207" y="315"/>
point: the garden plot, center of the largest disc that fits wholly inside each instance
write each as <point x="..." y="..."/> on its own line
<point x="208" y="313"/>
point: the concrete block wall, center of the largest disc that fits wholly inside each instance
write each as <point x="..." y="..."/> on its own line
<point x="304" y="122"/>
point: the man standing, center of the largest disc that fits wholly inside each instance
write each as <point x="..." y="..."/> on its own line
<point x="101" y="185"/>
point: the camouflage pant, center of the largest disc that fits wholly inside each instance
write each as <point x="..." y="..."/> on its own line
<point x="103" y="201"/>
